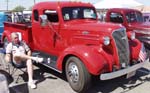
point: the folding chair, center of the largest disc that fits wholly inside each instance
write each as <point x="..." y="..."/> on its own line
<point x="10" y="67"/>
<point x="2" y="61"/>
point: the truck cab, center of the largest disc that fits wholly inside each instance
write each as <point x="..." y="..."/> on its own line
<point x="71" y="40"/>
<point x="133" y="21"/>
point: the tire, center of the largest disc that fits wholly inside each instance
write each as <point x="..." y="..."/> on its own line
<point x="77" y="75"/>
<point x="148" y="53"/>
<point x="147" y="48"/>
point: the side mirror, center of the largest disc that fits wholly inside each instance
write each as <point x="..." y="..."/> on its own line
<point x="43" y="20"/>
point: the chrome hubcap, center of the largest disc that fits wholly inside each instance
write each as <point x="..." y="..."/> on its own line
<point x="73" y="72"/>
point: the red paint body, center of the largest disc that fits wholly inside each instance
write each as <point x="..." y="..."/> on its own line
<point x="73" y="41"/>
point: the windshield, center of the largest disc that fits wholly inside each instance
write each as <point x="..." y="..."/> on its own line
<point x="134" y="17"/>
<point x="70" y="13"/>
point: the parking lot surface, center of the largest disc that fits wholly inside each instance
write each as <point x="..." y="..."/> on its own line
<point x="49" y="81"/>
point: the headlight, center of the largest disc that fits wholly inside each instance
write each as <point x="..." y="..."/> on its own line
<point x="106" y="40"/>
<point x="132" y="35"/>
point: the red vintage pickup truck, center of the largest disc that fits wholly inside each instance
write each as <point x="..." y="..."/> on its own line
<point x="133" y="21"/>
<point x="72" y="41"/>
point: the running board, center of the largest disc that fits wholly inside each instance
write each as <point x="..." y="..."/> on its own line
<point x="49" y="60"/>
<point x="49" y="66"/>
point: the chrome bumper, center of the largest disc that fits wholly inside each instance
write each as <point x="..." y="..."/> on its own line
<point x="107" y="76"/>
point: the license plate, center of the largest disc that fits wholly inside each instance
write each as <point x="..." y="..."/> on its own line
<point x="131" y="74"/>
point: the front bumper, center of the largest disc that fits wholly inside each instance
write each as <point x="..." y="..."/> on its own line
<point x="107" y="76"/>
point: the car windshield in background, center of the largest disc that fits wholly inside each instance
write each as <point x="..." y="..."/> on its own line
<point x="134" y="17"/>
<point x="71" y="13"/>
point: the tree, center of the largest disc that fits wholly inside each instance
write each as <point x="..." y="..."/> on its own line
<point x="30" y="8"/>
<point x="18" y="9"/>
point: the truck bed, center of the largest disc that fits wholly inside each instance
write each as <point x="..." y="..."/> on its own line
<point x="27" y="24"/>
<point x="25" y="30"/>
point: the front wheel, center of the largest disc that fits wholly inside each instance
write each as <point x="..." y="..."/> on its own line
<point x="148" y="53"/>
<point x="77" y="75"/>
<point x="147" y="48"/>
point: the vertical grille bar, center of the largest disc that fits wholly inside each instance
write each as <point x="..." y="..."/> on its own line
<point x="122" y="45"/>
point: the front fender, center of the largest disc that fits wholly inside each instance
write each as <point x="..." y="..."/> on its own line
<point x="93" y="60"/>
<point x="7" y="34"/>
<point x="135" y="46"/>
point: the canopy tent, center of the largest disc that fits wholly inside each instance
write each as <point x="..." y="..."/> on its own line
<point x="144" y="9"/>
<point x="106" y="4"/>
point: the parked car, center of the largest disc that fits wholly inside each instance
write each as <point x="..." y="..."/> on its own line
<point x="3" y="18"/>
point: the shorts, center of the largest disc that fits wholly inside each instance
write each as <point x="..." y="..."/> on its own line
<point x="19" y="65"/>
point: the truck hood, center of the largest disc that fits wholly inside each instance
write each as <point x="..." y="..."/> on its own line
<point x="92" y="26"/>
<point x="140" y="26"/>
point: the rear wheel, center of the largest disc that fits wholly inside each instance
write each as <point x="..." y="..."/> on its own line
<point x="77" y="75"/>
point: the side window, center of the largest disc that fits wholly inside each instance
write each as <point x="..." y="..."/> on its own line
<point x="52" y="15"/>
<point x="36" y="15"/>
<point x="116" y="18"/>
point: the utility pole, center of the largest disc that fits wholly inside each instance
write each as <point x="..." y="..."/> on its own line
<point x="34" y="2"/>
<point x="7" y="4"/>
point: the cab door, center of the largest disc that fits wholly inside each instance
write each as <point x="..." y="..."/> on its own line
<point x="44" y="36"/>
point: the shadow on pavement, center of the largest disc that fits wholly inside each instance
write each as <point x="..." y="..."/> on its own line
<point x="108" y="86"/>
<point x="43" y="69"/>
<point x="40" y="76"/>
<point x="42" y="73"/>
<point x="15" y="86"/>
<point x="21" y="88"/>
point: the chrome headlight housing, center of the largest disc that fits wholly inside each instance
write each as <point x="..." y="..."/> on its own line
<point x="106" y="40"/>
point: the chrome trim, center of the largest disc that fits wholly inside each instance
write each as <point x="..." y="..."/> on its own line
<point x="107" y="76"/>
<point x="51" y="68"/>
<point x="73" y="72"/>
<point x="125" y="37"/>
<point x="142" y="31"/>
<point x="85" y="32"/>
<point x="144" y="39"/>
<point x="122" y="46"/>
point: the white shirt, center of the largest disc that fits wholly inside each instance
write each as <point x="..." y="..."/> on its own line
<point x="17" y="49"/>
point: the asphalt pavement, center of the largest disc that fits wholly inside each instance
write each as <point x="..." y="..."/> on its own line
<point x="49" y="81"/>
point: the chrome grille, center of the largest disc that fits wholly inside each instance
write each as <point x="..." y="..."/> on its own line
<point x="122" y="45"/>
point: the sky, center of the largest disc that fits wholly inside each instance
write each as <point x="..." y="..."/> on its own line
<point x="28" y="3"/>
